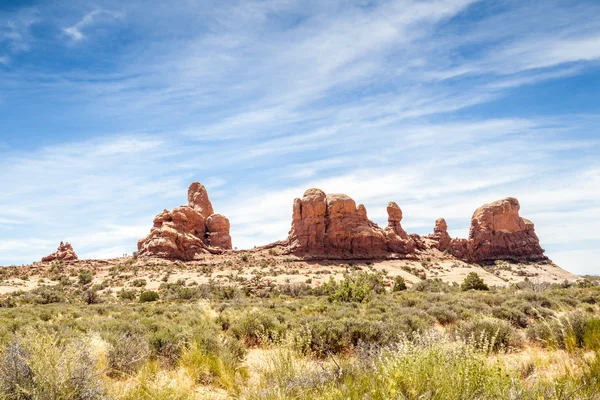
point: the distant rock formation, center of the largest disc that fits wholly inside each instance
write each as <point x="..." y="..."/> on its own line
<point x="440" y="235"/>
<point x="332" y="226"/>
<point x="497" y="233"/>
<point x="64" y="252"/>
<point x="188" y="231"/>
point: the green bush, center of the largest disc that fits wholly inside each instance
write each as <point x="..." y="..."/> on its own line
<point x="399" y="284"/>
<point x="148" y="296"/>
<point x="85" y="277"/>
<point x="254" y="327"/>
<point x="354" y="288"/>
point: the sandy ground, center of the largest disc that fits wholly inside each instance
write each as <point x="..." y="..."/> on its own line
<point x="247" y="268"/>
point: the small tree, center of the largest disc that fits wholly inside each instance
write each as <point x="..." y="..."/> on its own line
<point x="474" y="282"/>
<point x="399" y="284"/>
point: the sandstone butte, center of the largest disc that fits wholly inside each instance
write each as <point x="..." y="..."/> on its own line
<point x="333" y="227"/>
<point x="64" y="252"/>
<point x="187" y="232"/>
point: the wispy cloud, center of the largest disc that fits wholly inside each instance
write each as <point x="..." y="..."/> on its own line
<point x="262" y="99"/>
<point x="75" y="31"/>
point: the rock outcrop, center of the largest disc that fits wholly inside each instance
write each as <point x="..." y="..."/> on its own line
<point x="440" y="236"/>
<point x="332" y="226"/>
<point x="64" y="252"/>
<point x="188" y="231"/>
<point x="498" y="232"/>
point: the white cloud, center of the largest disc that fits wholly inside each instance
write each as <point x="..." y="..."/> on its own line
<point x="260" y="100"/>
<point x="75" y="31"/>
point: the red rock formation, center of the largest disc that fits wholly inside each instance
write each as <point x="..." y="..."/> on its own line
<point x="498" y="232"/>
<point x="64" y="252"/>
<point x="332" y="226"/>
<point x="440" y="235"/>
<point x="187" y="231"/>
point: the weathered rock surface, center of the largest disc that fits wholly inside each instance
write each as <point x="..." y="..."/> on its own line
<point x="332" y="226"/>
<point x="64" y="252"/>
<point x="440" y="235"/>
<point x="188" y="231"/>
<point x="498" y="232"/>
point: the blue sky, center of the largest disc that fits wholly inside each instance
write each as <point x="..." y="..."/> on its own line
<point x="109" y="109"/>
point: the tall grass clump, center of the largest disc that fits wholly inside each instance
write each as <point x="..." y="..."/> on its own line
<point x="41" y="366"/>
<point x="215" y="360"/>
<point x="568" y="332"/>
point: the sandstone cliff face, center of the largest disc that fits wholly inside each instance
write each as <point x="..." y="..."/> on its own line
<point x="332" y="226"/>
<point x="188" y="231"/>
<point x="64" y="252"/>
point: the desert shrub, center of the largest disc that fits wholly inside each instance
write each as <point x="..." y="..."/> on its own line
<point x="85" y="277"/>
<point x="127" y="294"/>
<point x="433" y="285"/>
<point x="16" y="377"/>
<point x="443" y="314"/>
<point x="410" y="370"/>
<point x="399" y="284"/>
<point x="473" y="282"/>
<point x="296" y="289"/>
<point x="512" y="315"/>
<point x="354" y="288"/>
<point x="127" y="353"/>
<point x="42" y="366"/>
<point x="139" y="282"/>
<point x="215" y="360"/>
<point x="488" y="334"/>
<point x="321" y="337"/>
<point x="47" y="295"/>
<point x="167" y="343"/>
<point x="148" y="296"/>
<point x="254" y="327"/>
<point x="91" y="296"/>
